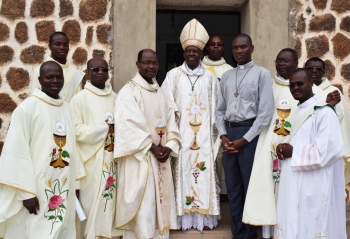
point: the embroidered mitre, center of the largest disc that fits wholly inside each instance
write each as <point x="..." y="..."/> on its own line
<point x="194" y="34"/>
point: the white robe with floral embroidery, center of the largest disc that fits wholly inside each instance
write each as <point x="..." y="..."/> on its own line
<point x="94" y="109"/>
<point x="194" y="97"/>
<point x="145" y="191"/>
<point x="41" y="134"/>
<point x="218" y="68"/>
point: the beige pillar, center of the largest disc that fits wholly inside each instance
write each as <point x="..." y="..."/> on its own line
<point x="134" y="29"/>
<point x="266" y="21"/>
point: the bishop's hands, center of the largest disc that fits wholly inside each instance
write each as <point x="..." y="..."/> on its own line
<point x="32" y="205"/>
<point x="333" y="98"/>
<point x="284" y="151"/>
<point x="162" y="153"/>
<point x="232" y="147"/>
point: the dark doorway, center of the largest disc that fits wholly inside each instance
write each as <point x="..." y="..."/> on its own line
<point x="169" y="24"/>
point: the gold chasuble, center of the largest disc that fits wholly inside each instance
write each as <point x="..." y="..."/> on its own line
<point x="38" y="160"/>
<point x="72" y="79"/>
<point x="145" y="192"/>
<point x="93" y="109"/>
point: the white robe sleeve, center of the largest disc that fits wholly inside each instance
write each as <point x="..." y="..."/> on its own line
<point x="89" y="139"/>
<point x="16" y="166"/>
<point x="173" y="134"/>
<point x="326" y="147"/>
<point x="132" y="136"/>
<point x="168" y="87"/>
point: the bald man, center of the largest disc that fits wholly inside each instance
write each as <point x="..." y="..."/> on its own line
<point x="37" y="165"/>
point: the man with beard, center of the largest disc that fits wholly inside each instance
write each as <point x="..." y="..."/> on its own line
<point x="245" y="108"/>
<point x="146" y="136"/>
<point x="38" y="165"/>
<point x="260" y="205"/>
<point x="193" y="91"/>
<point x="94" y="108"/>
<point x="311" y="193"/>
<point x="59" y="47"/>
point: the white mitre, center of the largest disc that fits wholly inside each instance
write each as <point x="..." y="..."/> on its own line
<point x="194" y="34"/>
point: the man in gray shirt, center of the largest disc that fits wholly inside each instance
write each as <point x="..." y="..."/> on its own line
<point x="245" y="108"/>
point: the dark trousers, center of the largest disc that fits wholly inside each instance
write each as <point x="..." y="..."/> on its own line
<point x="238" y="168"/>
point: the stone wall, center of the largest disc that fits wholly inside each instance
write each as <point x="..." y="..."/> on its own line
<point x="25" y="27"/>
<point x="321" y="28"/>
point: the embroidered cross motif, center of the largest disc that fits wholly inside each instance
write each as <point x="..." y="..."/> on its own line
<point x="60" y="142"/>
<point x="236" y="94"/>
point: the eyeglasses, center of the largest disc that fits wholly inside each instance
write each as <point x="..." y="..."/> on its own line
<point x="148" y="63"/>
<point x="299" y="84"/>
<point x="97" y="69"/>
<point x="314" y="68"/>
<point x="283" y="60"/>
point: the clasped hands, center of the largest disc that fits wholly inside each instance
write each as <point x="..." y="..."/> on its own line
<point x="232" y="147"/>
<point x="284" y="151"/>
<point x="161" y="153"/>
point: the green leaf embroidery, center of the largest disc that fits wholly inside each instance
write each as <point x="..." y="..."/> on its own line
<point x="60" y="217"/>
<point x="203" y="167"/>
<point x="51" y="210"/>
<point x="275" y="177"/>
<point x="52" y="217"/>
<point x="188" y="201"/>
<point x="111" y="195"/>
<point x="113" y="186"/>
<point x="287" y="124"/>
<point x="65" y="154"/>
<point x="62" y="206"/>
<point x="106" y="195"/>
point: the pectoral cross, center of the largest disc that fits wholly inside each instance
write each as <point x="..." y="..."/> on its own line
<point x="236" y="94"/>
<point x="192" y="87"/>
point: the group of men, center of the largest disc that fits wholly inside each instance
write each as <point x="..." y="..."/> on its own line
<point x="144" y="162"/>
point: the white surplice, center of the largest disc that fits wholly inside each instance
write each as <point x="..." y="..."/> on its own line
<point x="311" y="201"/>
<point x="94" y="109"/>
<point x="344" y="118"/>
<point x="72" y="79"/>
<point x="194" y="97"/>
<point x="41" y="134"/>
<point x="145" y="191"/>
<point x="260" y="203"/>
<point x="217" y="67"/>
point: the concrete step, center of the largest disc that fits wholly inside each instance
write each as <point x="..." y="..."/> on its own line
<point x="222" y="231"/>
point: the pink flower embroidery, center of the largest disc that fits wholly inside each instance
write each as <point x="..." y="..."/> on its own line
<point x="110" y="181"/>
<point x="55" y="201"/>
<point x="275" y="164"/>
